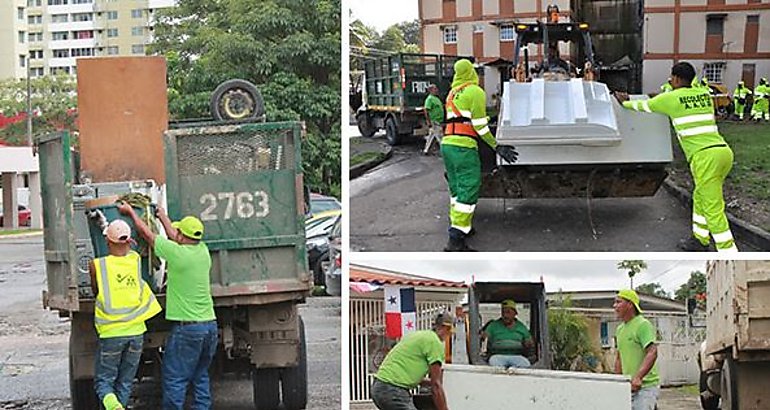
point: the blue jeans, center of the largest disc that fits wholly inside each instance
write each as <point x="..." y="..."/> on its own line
<point x="645" y="399"/>
<point x="117" y="359"/>
<point x="509" y="360"/>
<point x="190" y="349"/>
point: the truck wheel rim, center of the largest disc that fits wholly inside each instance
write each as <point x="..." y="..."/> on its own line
<point x="237" y="104"/>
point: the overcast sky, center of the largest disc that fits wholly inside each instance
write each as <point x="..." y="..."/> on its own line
<point x="564" y="275"/>
<point x="382" y="14"/>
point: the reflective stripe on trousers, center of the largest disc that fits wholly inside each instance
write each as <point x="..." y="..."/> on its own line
<point x="463" y="171"/>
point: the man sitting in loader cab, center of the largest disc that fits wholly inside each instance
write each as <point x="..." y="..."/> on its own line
<point x="509" y="342"/>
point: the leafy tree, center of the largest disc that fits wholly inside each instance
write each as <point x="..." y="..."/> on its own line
<point x="411" y="30"/>
<point x="654" y="289"/>
<point x="54" y="104"/>
<point x="392" y="39"/>
<point x="570" y="344"/>
<point x="289" y="49"/>
<point x="694" y="288"/>
<point x="633" y="268"/>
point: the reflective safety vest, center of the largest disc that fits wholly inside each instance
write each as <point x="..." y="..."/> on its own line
<point x="458" y="123"/>
<point x="124" y="301"/>
<point x="741" y="92"/>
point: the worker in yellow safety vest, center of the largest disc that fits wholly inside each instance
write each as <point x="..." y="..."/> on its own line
<point x="123" y="303"/>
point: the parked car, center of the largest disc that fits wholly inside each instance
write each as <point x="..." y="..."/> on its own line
<point x="322" y="203"/>
<point x="333" y="276"/>
<point x="25" y="216"/>
<point x="317" y="230"/>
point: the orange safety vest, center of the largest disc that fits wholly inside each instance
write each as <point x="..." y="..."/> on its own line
<point x="458" y="125"/>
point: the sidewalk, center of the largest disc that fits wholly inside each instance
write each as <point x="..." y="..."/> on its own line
<point x="367" y="153"/>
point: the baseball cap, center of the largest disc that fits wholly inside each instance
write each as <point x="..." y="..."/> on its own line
<point x="444" y="319"/>
<point x="508" y="303"/>
<point x="630" y="296"/>
<point x="118" y="231"/>
<point x="190" y="227"/>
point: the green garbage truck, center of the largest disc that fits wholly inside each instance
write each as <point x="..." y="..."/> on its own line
<point x="394" y="89"/>
<point x="243" y="180"/>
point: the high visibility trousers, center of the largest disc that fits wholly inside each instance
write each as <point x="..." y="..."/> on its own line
<point x="463" y="171"/>
<point x="709" y="169"/>
<point x="739" y="108"/>
<point x="761" y="109"/>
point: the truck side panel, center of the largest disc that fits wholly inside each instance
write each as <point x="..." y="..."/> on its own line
<point x="58" y="241"/>
<point x="738" y="306"/>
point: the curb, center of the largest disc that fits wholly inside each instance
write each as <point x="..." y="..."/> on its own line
<point x="751" y="234"/>
<point x="359" y="169"/>
<point x="21" y="235"/>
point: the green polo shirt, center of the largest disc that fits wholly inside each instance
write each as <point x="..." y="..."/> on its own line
<point x="435" y="109"/>
<point x="506" y="340"/>
<point x="188" y="294"/>
<point x="632" y="338"/>
<point x="409" y="360"/>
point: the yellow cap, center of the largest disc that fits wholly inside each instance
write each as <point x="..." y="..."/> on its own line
<point x="631" y="296"/>
<point x="508" y="303"/>
<point x="190" y="227"/>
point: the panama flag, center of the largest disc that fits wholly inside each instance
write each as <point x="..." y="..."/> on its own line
<point x="400" y="312"/>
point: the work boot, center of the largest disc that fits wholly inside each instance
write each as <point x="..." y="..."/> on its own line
<point x="693" y="245"/>
<point x="457" y="244"/>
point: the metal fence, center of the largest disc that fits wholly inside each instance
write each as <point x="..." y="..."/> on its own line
<point x="368" y="345"/>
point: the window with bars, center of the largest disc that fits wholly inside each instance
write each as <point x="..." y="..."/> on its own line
<point x="450" y="35"/>
<point x="713" y="71"/>
<point x="507" y="33"/>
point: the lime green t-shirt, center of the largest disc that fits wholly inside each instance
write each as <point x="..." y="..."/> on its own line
<point x="506" y="340"/>
<point x="632" y="338"/>
<point x="188" y="294"/>
<point x="410" y="359"/>
<point x="435" y="109"/>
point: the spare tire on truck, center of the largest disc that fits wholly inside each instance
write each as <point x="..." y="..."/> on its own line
<point x="237" y="100"/>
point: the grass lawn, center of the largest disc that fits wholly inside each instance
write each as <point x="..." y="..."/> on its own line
<point x="747" y="189"/>
<point x="6" y="232"/>
<point x="365" y="157"/>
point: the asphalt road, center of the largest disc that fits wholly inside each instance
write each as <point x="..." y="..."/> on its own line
<point x="402" y="205"/>
<point x="33" y="342"/>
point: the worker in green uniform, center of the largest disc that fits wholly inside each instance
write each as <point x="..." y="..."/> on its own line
<point x="123" y="303"/>
<point x="666" y="87"/>
<point x="192" y="340"/>
<point x="434" y="114"/>
<point x="508" y="339"/>
<point x="466" y="113"/>
<point x="761" y="108"/>
<point x="416" y="355"/>
<point x="692" y="114"/>
<point x="740" y="95"/>
<point x="637" y="351"/>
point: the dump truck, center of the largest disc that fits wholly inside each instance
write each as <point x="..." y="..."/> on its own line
<point x="394" y="90"/>
<point x="242" y="179"/>
<point x="476" y="385"/>
<point x="735" y="357"/>
<point x="573" y="137"/>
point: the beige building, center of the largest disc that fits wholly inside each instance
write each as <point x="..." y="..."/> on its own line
<point x="57" y="32"/>
<point x="13" y="38"/>
<point x="726" y="40"/>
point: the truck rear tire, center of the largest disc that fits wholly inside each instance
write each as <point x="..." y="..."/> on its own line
<point x="729" y="383"/>
<point x="266" y="388"/>
<point x="711" y="403"/>
<point x="391" y="132"/>
<point x="294" y="379"/>
<point x="365" y="125"/>
<point x="237" y="100"/>
<point x="82" y="391"/>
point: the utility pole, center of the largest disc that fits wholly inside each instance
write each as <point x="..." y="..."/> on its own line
<point x="29" y="105"/>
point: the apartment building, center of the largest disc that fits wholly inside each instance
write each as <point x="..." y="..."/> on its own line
<point x="726" y="40"/>
<point x="57" y="32"/>
<point x="13" y="38"/>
